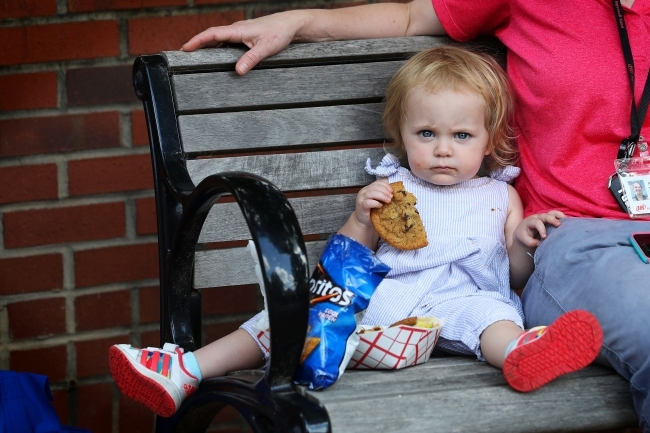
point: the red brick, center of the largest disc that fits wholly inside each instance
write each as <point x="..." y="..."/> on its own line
<point x="92" y="356"/>
<point x="26" y="8"/>
<point x="103" y="310"/>
<point x="149" y="304"/>
<point x="28" y="91"/>
<point x="61" y="405"/>
<point x="93" y="86"/>
<point x="32" y="136"/>
<point x="66" y="224"/>
<point x="110" y="5"/>
<point x="28" y="183"/>
<point x="32" y="361"/>
<point x="151" y="35"/>
<point x="95" y="407"/>
<point x="31" y="274"/>
<point x="134" y="417"/>
<point x="139" y="134"/>
<point x="219" y="330"/>
<point x="36" y="318"/>
<point x="146" y="216"/>
<point x="116" y="264"/>
<point x="53" y="42"/>
<point x="150" y="339"/>
<point x="105" y="175"/>
<point x="227" y="300"/>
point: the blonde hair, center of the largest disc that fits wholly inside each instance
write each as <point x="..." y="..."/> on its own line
<point x="448" y="67"/>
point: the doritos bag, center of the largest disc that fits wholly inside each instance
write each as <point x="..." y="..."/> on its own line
<point x="341" y="286"/>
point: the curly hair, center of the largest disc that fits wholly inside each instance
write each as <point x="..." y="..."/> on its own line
<point x="448" y="67"/>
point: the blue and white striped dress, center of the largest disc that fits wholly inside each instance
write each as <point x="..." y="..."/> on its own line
<point x="463" y="274"/>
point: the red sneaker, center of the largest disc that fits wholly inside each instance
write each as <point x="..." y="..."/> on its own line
<point x="543" y="353"/>
<point x="154" y="377"/>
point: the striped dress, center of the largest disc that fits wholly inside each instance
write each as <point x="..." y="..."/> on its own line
<point x="463" y="274"/>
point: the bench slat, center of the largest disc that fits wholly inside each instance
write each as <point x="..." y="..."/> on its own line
<point x="272" y="128"/>
<point x="268" y="87"/>
<point x="318" y="170"/>
<point x="323" y="214"/>
<point x="235" y="266"/>
<point x="222" y="58"/>
<point x="457" y="394"/>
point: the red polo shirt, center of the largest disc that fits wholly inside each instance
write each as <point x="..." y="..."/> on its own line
<point x="573" y="96"/>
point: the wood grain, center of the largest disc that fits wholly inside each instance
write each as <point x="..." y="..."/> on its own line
<point x="297" y="171"/>
<point x="222" y="58"/>
<point x="235" y="266"/>
<point x="242" y="131"/>
<point x="323" y="214"/>
<point x="272" y="87"/>
<point x="459" y="394"/>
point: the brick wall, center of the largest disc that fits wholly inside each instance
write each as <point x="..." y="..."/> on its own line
<point x="78" y="251"/>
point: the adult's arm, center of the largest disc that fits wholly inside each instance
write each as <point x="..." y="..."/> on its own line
<point x="269" y="35"/>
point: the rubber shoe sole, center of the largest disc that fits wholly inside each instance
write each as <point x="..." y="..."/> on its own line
<point x="572" y="342"/>
<point x="139" y="384"/>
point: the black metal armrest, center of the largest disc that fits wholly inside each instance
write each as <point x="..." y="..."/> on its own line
<point x="267" y="399"/>
<point x="281" y="252"/>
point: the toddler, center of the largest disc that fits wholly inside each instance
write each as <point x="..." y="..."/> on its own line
<point x="449" y="111"/>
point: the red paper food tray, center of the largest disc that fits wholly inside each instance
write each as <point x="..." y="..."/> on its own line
<point x="396" y="347"/>
<point x="389" y="348"/>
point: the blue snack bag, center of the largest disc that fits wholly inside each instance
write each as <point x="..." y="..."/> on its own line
<point x="341" y="286"/>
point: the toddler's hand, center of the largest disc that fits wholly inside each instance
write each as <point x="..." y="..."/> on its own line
<point x="532" y="230"/>
<point x="370" y="197"/>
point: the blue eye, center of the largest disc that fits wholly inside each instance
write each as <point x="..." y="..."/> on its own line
<point x="462" y="135"/>
<point x="426" y="134"/>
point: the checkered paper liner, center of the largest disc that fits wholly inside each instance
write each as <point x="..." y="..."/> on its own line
<point x="264" y="337"/>
<point x="396" y="347"/>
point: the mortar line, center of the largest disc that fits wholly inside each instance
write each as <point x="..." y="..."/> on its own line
<point x="62" y="179"/>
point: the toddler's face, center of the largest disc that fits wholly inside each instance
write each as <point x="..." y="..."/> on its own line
<point x="444" y="135"/>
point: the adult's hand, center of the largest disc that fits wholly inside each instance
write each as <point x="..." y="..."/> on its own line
<point x="263" y="36"/>
<point x="271" y="34"/>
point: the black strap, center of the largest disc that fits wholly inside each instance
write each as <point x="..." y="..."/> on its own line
<point x="637" y="115"/>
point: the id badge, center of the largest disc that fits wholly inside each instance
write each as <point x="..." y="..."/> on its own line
<point x="630" y="185"/>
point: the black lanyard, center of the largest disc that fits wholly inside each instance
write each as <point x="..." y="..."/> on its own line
<point x="626" y="149"/>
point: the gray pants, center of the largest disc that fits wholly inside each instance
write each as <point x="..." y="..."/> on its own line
<point x="589" y="264"/>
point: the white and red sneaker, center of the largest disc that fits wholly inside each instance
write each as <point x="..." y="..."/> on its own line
<point x="543" y="353"/>
<point x="152" y="376"/>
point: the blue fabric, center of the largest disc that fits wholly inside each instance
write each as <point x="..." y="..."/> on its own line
<point x="25" y="405"/>
<point x="590" y="264"/>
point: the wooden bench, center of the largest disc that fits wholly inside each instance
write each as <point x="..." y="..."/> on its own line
<point x="306" y="120"/>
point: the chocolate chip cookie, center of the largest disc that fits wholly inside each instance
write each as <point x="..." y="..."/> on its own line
<point x="398" y="222"/>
